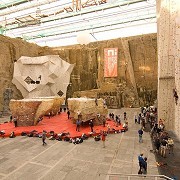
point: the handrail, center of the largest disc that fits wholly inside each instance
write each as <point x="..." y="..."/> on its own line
<point x="138" y="175"/>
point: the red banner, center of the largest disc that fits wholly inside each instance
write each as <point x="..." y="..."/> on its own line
<point x="110" y="62"/>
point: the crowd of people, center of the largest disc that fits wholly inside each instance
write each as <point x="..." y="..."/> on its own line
<point x="162" y="142"/>
<point x="120" y="120"/>
<point x="66" y="136"/>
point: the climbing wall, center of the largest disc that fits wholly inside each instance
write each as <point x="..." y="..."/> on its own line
<point x="168" y="63"/>
<point x="42" y="76"/>
<point x="88" y="108"/>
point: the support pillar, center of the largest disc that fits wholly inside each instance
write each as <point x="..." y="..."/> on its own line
<point x="168" y="63"/>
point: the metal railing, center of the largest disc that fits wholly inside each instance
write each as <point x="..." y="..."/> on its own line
<point x="118" y="176"/>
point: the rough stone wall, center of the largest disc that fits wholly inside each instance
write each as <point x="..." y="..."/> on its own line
<point x="136" y="55"/>
<point x="11" y="50"/>
<point x="86" y="109"/>
<point x="169" y="63"/>
<point x="28" y="111"/>
<point x="136" y="83"/>
<point x="85" y="72"/>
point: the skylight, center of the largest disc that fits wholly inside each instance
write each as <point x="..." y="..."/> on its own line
<point x="58" y="22"/>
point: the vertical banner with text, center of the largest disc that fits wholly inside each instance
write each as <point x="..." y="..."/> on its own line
<point x="110" y="62"/>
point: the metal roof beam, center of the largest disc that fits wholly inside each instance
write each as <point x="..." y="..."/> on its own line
<point x="86" y="12"/>
<point x="7" y="5"/>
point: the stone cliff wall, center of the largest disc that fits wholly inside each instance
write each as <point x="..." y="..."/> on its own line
<point x="136" y="83"/>
<point x="137" y="69"/>
<point x="11" y="50"/>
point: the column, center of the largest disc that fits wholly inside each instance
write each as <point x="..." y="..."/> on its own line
<point x="168" y="63"/>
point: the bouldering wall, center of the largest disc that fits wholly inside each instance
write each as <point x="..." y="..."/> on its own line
<point x="86" y="109"/>
<point x="42" y="76"/>
<point x="28" y="111"/>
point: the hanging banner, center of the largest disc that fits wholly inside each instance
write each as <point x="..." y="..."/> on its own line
<point x="110" y="62"/>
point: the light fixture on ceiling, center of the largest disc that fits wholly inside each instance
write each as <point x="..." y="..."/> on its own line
<point x="84" y="38"/>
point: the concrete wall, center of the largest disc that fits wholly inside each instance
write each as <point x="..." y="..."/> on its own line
<point x="168" y="63"/>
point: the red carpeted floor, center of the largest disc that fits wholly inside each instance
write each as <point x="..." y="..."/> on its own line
<point x="58" y="124"/>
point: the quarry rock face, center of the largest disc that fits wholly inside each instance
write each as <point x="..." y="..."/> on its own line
<point x="28" y="111"/>
<point x="11" y="50"/>
<point x="86" y="109"/>
<point x="136" y="81"/>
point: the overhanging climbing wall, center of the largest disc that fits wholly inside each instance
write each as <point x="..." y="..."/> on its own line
<point x="42" y="76"/>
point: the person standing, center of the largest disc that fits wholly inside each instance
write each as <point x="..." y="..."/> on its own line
<point x="79" y="115"/>
<point x="140" y="132"/>
<point x="68" y="113"/>
<point x="10" y="119"/>
<point x="157" y="144"/>
<point x="141" y="161"/>
<point x="44" y="137"/>
<point x="170" y="145"/>
<point x="103" y="138"/>
<point x="15" y="121"/>
<point x="78" y="123"/>
<point x="91" y="124"/>
<point x="119" y="119"/>
<point x="125" y="117"/>
<point x="144" y="166"/>
<point x="163" y="147"/>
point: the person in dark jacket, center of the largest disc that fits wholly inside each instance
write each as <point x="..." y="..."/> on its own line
<point x="68" y="113"/>
<point x="140" y="160"/>
<point x="157" y="144"/>
<point x="78" y="123"/>
<point x="163" y="147"/>
<point x="91" y="124"/>
<point x="140" y="132"/>
<point x="144" y="166"/>
<point x="44" y="138"/>
<point x="15" y="121"/>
